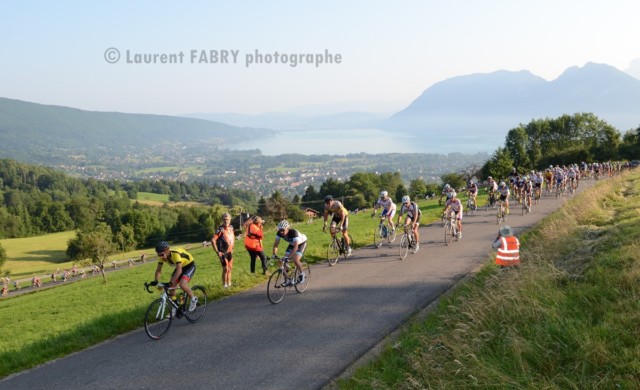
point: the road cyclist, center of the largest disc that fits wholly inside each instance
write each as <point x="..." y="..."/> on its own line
<point x="297" y="245"/>
<point x="388" y="211"/>
<point x="492" y="189"/>
<point x="185" y="268"/>
<point x="412" y="218"/>
<point x="339" y="219"/>
<point x="472" y="193"/>
<point x="454" y="205"/>
<point x="503" y="195"/>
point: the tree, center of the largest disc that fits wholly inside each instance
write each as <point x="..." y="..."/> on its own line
<point x="417" y="188"/>
<point x="126" y="237"/>
<point x="400" y="192"/>
<point x="94" y="245"/>
<point x="455" y="180"/>
<point x="499" y="165"/>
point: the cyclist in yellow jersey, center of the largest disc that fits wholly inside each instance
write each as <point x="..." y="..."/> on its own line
<point x="340" y="217"/>
<point x="185" y="268"/>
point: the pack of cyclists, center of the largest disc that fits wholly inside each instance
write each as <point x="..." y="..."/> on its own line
<point x="523" y="187"/>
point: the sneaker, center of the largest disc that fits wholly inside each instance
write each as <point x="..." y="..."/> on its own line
<point x="225" y="286"/>
<point x="459" y="235"/>
<point x="301" y="278"/>
<point x="417" y="247"/>
<point x="349" y="251"/>
<point x="193" y="304"/>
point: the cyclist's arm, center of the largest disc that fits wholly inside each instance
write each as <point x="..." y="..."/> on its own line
<point x="275" y="245"/>
<point x="158" y="272"/>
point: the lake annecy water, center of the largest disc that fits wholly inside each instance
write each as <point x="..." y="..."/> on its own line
<point x="372" y="141"/>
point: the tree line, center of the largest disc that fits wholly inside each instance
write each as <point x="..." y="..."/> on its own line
<point x="565" y="140"/>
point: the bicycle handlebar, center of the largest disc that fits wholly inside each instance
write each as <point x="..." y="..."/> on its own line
<point x="163" y="285"/>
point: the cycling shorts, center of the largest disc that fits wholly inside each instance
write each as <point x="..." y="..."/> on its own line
<point x="301" y="248"/>
<point x="387" y="213"/>
<point x="336" y="220"/>
<point x="187" y="272"/>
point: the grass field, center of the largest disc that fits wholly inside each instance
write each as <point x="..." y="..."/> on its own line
<point x="53" y="322"/>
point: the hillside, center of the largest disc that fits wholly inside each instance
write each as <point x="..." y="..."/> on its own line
<point x="30" y="130"/>
<point x="494" y="102"/>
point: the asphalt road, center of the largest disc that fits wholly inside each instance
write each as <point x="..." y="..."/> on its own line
<point x="306" y="341"/>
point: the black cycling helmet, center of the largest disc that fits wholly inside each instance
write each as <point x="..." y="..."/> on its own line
<point x="162" y="246"/>
<point x="328" y="198"/>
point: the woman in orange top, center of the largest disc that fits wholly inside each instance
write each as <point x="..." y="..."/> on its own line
<point x="222" y="243"/>
<point x="253" y="242"/>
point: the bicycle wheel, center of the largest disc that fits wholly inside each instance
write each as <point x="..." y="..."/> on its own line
<point x="333" y="252"/>
<point x="448" y="233"/>
<point x="391" y="235"/>
<point x="444" y="220"/>
<point x="158" y="319"/>
<point x="275" y="290"/>
<point x="404" y="246"/>
<point x="196" y="315"/>
<point x="500" y="214"/>
<point x="301" y="287"/>
<point x="378" y="236"/>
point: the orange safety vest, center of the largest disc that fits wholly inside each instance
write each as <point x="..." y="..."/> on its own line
<point x="509" y="251"/>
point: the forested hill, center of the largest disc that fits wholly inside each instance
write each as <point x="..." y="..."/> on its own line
<point x="35" y="200"/>
<point x="32" y="130"/>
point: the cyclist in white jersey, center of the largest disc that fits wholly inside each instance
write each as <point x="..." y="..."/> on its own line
<point x="388" y="208"/>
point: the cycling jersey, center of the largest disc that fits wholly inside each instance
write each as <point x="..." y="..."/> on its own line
<point x="456" y="205"/>
<point x="336" y="208"/>
<point x="388" y="207"/>
<point x="177" y="255"/>
<point x="293" y="236"/>
<point x="412" y="210"/>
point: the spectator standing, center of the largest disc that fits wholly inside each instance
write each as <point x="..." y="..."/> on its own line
<point x="222" y="243"/>
<point x="253" y="242"/>
<point x="508" y="248"/>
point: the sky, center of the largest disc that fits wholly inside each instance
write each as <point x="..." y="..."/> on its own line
<point x="383" y="54"/>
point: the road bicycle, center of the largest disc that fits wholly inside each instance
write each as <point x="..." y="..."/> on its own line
<point x="163" y="310"/>
<point x="337" y="247"/>
<point x="383" y="232"/>
<point x="491" y="201"/>
<point x="407" y="242"/>
<point x="450" y="228"/>
<point x="525" y="204"/>
<point x="537" y="191"/>
<point x="502" y="212"/>
<point x="285" y="278"/>
<point x="471" y="206"/>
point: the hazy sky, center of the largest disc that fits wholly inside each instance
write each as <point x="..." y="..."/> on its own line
<point x="55" y="52"/>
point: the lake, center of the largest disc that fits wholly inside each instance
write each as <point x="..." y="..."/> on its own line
<point x="372" y="141"/>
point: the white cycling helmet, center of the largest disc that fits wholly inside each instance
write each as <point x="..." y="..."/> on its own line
<point x="447" y="186"/>
<point x="406" y="199"/>
<point x="384" y="194"/>
<point x="502" y="184"/>
<point x="451" y="195"/>
<point x="283" y="224"/>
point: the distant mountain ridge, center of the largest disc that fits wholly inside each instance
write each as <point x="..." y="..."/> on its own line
<point x="498" y="101"/>
<point x="30" y="128"/>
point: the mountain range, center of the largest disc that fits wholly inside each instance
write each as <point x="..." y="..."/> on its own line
<point x="480" y="103"/>
<point x="500" y="100"/>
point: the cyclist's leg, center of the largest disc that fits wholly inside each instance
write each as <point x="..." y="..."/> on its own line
<point x="345" y="228"/>
<point x="415" y="226"/>
<point x="389" y="217"/>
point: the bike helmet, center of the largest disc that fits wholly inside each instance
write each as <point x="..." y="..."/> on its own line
<point x="162" y="246"/>
<point x="284" y="224"/>
<point x="447" y="186"/>
<point x="451" y="195"/>
<point x="328" y="198"/>
<point x="502" y="184"/>
<point x="490" y="178"/>
<point x="406" y="199"/>
<point x="384" y="194"/>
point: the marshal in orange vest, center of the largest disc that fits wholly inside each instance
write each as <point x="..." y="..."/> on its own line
<point x="508" y="248"/>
